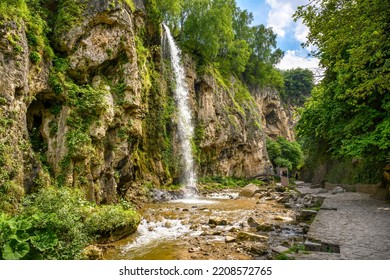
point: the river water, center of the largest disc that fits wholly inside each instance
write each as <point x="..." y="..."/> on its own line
<point x="198" y="228"/>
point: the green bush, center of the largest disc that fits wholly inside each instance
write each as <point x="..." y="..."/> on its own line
<point x="56" y="223"/>
<point x="284" y="153"/>
<point x="109" y="220"/>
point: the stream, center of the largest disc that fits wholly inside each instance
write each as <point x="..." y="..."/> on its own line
<point x="215" y="226"/>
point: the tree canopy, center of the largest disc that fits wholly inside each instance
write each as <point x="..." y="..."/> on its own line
<point x="219" y="32"/>
<point x="298" y="84"/>
<point x="283" y="153"/>
<point x="349" y="112"/>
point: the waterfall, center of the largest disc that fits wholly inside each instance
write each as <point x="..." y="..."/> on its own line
<point x="185" y="126"/>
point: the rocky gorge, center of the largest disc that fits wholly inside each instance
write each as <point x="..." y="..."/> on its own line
<point x="91" y="107"/>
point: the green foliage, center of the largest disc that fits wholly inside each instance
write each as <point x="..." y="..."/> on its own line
<point x="259" y="70"/>
<point x="298" y="84"/>
<point x="283" y="256"/>
<point x="129" y="4"/>
<point x="9" y="9"/>
<point x="35" y="57"/>
<point x="220" y="33"/>
<point x="59" y="224"/>
<point x="349" y="111"/>
<point x="34" y="15"/>
<point x="220" y="182"/>
<point x="207" y="27"/>
<point x="168" y="11"/>
<point x="365" y="171"/>
<point x="283" y="153"/>
<point x="86" y="105"/>
<point x="57" y="75"/>
<point x="69" y="13"/>
<point x="106" y="219"/>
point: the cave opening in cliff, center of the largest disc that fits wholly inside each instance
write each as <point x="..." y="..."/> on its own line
<point x="271" y="118"/>
<point x="34" y="120"/>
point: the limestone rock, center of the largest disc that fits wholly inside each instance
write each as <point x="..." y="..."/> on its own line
<point x="276" y="118"/>
<point x="337" y="190"/>
<point x="265" y="227"/>
<point x="92" y="252"/>
<point x="217" y="221"/>
<point x="279" y="249"/>
<point x="229" y="239"/>
<point x="242" y="235"/>
<point x="252" y="222"/>
<point x="249" y="190"/>
<point x="306" y="215"/>
<point x="258" y="249"/>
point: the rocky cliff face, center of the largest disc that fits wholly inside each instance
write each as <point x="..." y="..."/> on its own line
<point x="99" y="114"/>
<point x="229" y="130"/>
<point x="277" y="117"/>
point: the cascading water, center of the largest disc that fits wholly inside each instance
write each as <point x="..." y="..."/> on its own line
<point x="185" y="127"/>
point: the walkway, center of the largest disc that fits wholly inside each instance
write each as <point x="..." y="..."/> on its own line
<point x="359" y="224"/>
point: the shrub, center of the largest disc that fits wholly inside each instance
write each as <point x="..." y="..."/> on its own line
<point x="56" y="223"/>
<point x="284" y="153"/>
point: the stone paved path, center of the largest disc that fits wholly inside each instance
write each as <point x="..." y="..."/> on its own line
<point x="359" y="224"/>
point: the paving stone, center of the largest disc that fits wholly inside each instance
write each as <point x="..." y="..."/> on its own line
<point x="359" y="226"/>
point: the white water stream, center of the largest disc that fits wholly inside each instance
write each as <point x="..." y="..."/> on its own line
<point x="185" y="126"/>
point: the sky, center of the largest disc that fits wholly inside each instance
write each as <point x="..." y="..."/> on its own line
<point x="290" y="35"/>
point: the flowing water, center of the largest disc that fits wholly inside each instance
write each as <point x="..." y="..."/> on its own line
<point x="197" y="228"/>
<point x="185" y="126"/>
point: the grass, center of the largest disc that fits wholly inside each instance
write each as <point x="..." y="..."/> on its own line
<point x="219" y="183"/>
<point x="295" y="249"/>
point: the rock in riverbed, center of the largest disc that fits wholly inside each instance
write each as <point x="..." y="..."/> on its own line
<point x="242" y="235"/>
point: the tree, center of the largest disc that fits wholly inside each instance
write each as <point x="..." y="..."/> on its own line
<point x="350" y="110"/>
<point x="220" y="33"/>
<point x="207" y="28"/>
<point x="260" y="69"/>
<point x="298" y="84"/>
<point x="283" y="153"/>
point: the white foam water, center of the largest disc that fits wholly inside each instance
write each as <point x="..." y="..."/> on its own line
<point x="152" y="233"/>
<point x="185" y="126"/>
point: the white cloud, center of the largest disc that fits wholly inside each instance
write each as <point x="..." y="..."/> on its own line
<point x="279" y="17"/>
<point x="294" y="59"/>
<point x="301" y="32"/>
<point x="281" y="21"/>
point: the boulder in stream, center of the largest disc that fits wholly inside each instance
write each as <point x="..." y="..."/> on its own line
<point x="252" y="222"/>
<point x="242" y="235"/>
<point x="249" y="191"/>
<point x="265" y="227"/>
<point x="217" y="221"/>
<point x="229" y="239"/>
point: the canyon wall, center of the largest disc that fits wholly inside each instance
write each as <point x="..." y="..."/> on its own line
<point x="96" y="111"/>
